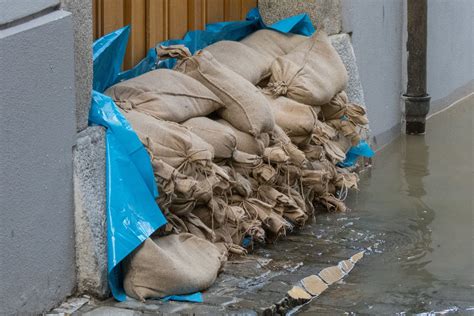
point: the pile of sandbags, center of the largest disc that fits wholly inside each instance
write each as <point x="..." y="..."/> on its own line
<point x="245" y="140"/>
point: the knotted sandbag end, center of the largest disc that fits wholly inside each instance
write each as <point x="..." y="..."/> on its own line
<point x="278" y="88"/>
<point x="173" y="51"/>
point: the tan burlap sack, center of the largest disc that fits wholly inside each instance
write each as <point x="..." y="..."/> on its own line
<point x="170" y="142"/>
<point x="343" y="142"/>
<point x="253" y="228"/>
<point x="246" y="107"/>
<point x="165" y="94"/>
<point x="295" y="118"/>
<point x="346" y="179"/>
<point x="311" y="74"/>
<point x="313" y="152"/>
<point x="335" y="108"/>
<point x="245" y="142"/>
<point x="273" y="43"/>
<point x="315" y="180"/>
<point x="348" y="118"/>
<point x="339" y="106"/>
<point x="275" y="155"/>
<point x="219" y="136"/>
<point x="242" y="59"/>
<point x="289" y="175"/>
<point x="280" y="138"/>
<point x="283" y="205"/>
<point x="196" y="227"/>
<point x="172" y="265"/>
<point x="331" y="203"/>
<point x="274" y="224"/>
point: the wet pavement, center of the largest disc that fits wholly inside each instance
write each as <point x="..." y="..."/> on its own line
<point x="418" y="202"/>
<point x="413" y="216"/>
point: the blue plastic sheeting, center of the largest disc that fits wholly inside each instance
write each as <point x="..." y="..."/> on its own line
<point x="195" y="298"/>
<point x="108" y="62"/>
<point x="362" y="149"/>
<point x="107" y="55"/>
<point x="132" y="213"/>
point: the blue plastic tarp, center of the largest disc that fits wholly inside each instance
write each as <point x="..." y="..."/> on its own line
<point x="361" y="150"/>
<point x="132" y="213"/>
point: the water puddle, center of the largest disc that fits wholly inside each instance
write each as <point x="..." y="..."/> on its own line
<point x="414" y="217"/>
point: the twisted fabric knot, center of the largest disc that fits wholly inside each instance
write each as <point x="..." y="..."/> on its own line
<point x="278" y="87"/>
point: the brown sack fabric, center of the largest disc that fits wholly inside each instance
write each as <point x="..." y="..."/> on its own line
<point x="295" y="118"/>
<point x="311" y="74"/>
<point x="242" y="59"/>
<point x="273" y="43"/>
<point x="219" y="136"/>
<point x="165" y="94"/>
<point x="172" y="265"/>
<point x="172" y="143"/>
<point x="245" y="142"/>
<point x="246" y="107"/>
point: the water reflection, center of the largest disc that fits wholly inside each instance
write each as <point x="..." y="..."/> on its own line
<point x="415" y="209"/>
<point x="414" y="169"/>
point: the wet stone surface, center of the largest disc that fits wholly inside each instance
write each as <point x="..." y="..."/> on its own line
<point x="413" y="217"/>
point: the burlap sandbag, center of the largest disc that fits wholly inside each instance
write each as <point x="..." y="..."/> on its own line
<point x="343" y="143"/>
<point x="280" y="138"/>
<point x="295" y="118"/>
<point x="246" y="107"/>
<point x="171" y="142"/>
<point x="172" y="265"/>
<point x="283" y="205"/>
<point x="332" y="203"/>
<point x="348" y="118"/>
<point x="219" y="136"/>
<point x="273" y="43"/>
<point x="339" y="106"/>
<point x="242" y="59"/>
<point x="165" y="94"/>
<point x="245" y="142"/>
<point x="316" y="180"/>
<point x="311" y="74"/>
<point x="274" y="224"/>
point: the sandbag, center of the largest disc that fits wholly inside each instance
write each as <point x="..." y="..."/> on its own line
<point x="312" y="73"/>
<point x="246" y="142"/>
<point x="246" y="107"/>
<point x="219" y="136"/>
<point x="170" y="142"/>
<point x="331" y="203"/>
<point x="283" y="205"/>
<point x="165" y="94"/>
<point x="273" y="43"/>
<point x="295" y="118"/>
<point x="172" y="265"/>
<point x="335" y="108"/>
<point x="280" y="138"/>
<point x="274" y="224"/>
<point x="242" y="59"/>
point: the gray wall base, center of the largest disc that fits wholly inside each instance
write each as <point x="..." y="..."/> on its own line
<point x="342" y="44"/>
<point x="90" y="212"/>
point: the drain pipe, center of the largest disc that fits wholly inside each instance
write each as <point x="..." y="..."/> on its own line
<point x="417" y="100"/>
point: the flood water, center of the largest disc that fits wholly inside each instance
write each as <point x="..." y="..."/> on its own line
<point x="416" y="208"/>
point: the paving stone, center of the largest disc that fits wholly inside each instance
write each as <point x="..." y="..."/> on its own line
<point x="111" y="311"/>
